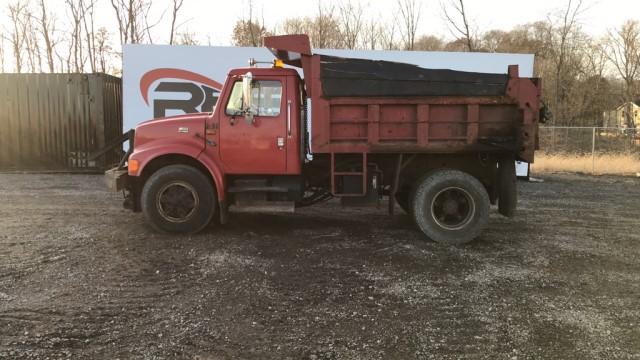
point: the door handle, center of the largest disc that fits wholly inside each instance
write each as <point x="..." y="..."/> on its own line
<point x="289" y="118"/>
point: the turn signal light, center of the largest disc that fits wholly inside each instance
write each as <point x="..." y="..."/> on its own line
<point x="133" y="165"/>
<point x="277" y="63"/>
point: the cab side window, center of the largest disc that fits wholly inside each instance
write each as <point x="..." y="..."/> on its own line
<point x="266" y="98"/>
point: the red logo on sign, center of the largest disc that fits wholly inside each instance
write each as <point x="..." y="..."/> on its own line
<point x="168" y="73"/>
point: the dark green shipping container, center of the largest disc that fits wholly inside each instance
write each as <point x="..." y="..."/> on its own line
<point x="57" y="121"/>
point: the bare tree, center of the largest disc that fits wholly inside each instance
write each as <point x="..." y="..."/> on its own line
<point x="594" y="89"/>
<point x="76" y="51"/>
<point x="1" y="54"/>
<point x="253" y="34"/>
<point x="62" y="61"/>
<point x="123" y="19"/>
<point x="565" y="41"/>
<point x="103" y="48"/>
<point x="429" y="43"/>
<point x="494" y="40"/>
<point x="187" y="38"/>
<point x="17" y="12"/>
<point x="177" y="4"/>
<point x="387" y="33"/>
<point x="47" y="30"/>
<point x="133" y="20"/>
<point x="460" y="27"/>
<point x="325" y="30"/>
<point x="90" y="33"/>
<point x="622" y="48"/>
<point x="371" y="35"/>
<point x="296" y="26"/>
<point x="351" y="22"/>
<point x="31" y="42"/>
<point x="249" y="32"/>
<point x="594" y="58"/>
<point x="410" y="11"/>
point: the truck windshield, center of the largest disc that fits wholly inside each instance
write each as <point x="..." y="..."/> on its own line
<point x="266" y="98"/>
<point x="234" y="106"/>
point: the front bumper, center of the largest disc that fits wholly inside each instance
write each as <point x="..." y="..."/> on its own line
<point x="117" y="179"/>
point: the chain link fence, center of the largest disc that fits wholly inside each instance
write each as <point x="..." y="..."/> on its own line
<point x="596" y="150"/>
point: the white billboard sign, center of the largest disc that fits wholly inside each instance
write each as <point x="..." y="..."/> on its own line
<point x="163" y="80"/>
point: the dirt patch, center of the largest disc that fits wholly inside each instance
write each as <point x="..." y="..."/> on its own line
<point x="600" y="164"/>
<point x="81" y="277"/>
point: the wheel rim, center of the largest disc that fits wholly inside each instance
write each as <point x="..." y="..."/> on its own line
<point x="453" y="208"/>
<point x="177" y="201"/>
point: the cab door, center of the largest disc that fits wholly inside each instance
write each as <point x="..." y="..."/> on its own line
<point x="258" y="146"/>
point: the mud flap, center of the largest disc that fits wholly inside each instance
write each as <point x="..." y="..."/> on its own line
<point x="224" y="212"/>
<point x="507" y="188"/>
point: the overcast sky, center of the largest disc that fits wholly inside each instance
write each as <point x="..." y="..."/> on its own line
<point x="215" y="19"/>
<point x="212" y="20"/>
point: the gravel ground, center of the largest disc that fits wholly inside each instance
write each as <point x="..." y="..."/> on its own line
<point x="80" y="277"/>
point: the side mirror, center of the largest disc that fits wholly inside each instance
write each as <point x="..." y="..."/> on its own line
<point x="247" y="81"/>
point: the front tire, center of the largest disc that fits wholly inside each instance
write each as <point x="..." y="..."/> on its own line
<point x="450" y="206"/>
<point x="178" y="199"/>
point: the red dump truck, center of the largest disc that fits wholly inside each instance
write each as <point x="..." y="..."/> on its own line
<point x="441" y="144"/>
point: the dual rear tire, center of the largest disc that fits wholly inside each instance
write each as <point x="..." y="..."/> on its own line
<point x="450" y="206"/>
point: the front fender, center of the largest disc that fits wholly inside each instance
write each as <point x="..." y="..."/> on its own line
<point x="216" y="173"/>
<point x="150" y="151"/>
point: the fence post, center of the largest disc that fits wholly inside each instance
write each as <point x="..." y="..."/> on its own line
<point x="593" y="151"/>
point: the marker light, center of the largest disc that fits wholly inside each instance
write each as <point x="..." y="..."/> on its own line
<point x="133" y="165"/>
<point x="277" y="63"/>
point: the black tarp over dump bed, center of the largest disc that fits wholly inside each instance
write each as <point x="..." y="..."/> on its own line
<point x="359" y="77"/>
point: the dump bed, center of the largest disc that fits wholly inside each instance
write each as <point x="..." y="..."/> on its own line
<point x="371" y="106"/>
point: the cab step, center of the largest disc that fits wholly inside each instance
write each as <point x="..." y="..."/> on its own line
<point x="254" y="188"/>
<point x="263" y="207"/>
<point x="255" y="185"/>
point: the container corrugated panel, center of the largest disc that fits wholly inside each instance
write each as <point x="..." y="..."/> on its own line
<point x="56" y="121"/>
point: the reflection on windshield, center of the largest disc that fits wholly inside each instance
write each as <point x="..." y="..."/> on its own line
<point x="266" y="96"/>
<point x="234" y="107"/>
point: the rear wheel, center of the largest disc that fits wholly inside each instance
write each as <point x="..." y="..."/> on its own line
<point x="178" y="199"/>
<point x="450" y="206"/>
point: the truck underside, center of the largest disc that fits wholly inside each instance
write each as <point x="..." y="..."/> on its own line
<point x="358" y="180"/>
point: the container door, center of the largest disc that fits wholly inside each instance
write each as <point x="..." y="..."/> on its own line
<point x="258" y="146"/>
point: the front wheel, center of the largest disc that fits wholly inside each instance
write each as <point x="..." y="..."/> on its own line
<point x="450" y="206"/>
<point x="178" y="199"/>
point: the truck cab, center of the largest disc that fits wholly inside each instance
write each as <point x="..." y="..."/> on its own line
<point x="441" y="150"/>
<point x="249" y="149"/>
<point x="263" y="137"/>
